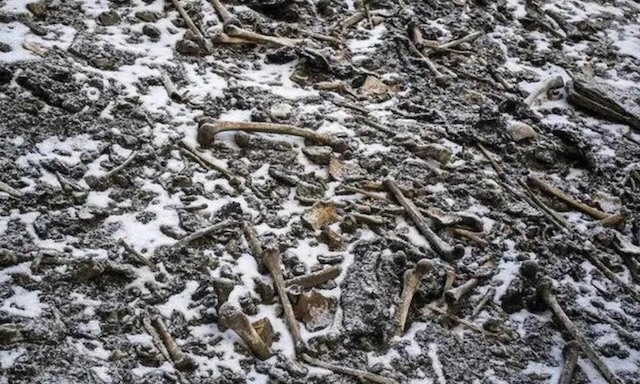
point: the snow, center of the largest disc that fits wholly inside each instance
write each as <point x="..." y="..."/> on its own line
<point x="23" y="303"/>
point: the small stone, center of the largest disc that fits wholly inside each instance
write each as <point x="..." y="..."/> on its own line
<point x="265" y="330"/>
<point x="37" y="9"/>
<point x="318" y="154"/>
<point x="281" y="111"/>
<point x="4" y="47"/>
<point x="148" y="16"/>
<point x="5" y="75"/>
<point x="188" y="47"/>
<point x="109" y="18"/>
<point x="529" y="269"/>
<point x="521" y="131"/>
<point x="330" y="259"/>
<point x="433" y="151"/>
<point x="314" y="310"/>
<point x="151" y="31"/>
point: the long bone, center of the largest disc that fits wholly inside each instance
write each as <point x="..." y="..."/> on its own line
<point x="230" y="316"/>
<point x="411" y="282"/>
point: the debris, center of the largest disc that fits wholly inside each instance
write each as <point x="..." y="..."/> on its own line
<point x="314" y="310"/>
<point x="331" y="238"/>
<point x="232" y="318"/>
<point x="521" y="131"/>
<point x="321" y="215"/>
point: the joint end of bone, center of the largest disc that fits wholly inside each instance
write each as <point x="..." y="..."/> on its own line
<point x="206" y="135"/>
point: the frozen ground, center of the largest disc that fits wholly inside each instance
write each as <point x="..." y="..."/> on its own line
<point x="81" y="91"/>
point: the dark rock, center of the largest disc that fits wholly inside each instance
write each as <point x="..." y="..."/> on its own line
<point x="109" y="18"/>
<point x="151" y="31"/>
<point x="148" y="16"/>
<point x="4" y="47"/>
<point x="37" y="9"/>
<point x="188" y="47"/>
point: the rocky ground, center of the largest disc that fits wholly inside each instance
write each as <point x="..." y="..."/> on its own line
<point x="102" y="178"/>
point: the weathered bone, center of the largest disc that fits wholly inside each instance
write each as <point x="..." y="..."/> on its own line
<point x="222" y="11"/>
<point x="578" y="205"/>
<point x="203" y="232"/>
<point x="411" y="281"/>
<point x="138" y="256"/>
<point x="571" y="354"/>
<point x="191" y="25"/>
<point x="171" y="89"/>
<point x="551" y="82"/>
<point x="486" y="298"/>
<point x="316" y="278"/>
<point x="453" y="43"/>
<point x="362" y="375"/>
<point x="180" y="360"/>
<point x="546" y="292"/>
<point x="445" y="251"/>
<point x="454" y="295"/>
<point x="207" y="132"/>
<point x="271" y="259"/>
<point x="232" y="317"/>
<point x="235" y="31"/>
<point x="416" y="35"/>
<point x="192" y="152"/>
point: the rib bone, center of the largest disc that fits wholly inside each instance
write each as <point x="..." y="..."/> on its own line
<point x="445" y="251"/>
<point x="411" y="279"/>
<point x="207" y="132"/>
<point x="271" y="259"/>
<point x="231" y="317"/>
<point x="545" y="290"/>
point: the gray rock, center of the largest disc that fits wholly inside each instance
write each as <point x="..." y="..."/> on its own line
<point x="109" y="18"/>
<point x="4" y="47"/>
<point x="148" y="16"/>
<point x="151" y="31"/>
<point x="188" y="47"/>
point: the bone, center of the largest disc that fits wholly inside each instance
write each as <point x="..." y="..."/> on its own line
<point x="471" y="235"/>
<point x="120" y="167"/>
<point x="192" y="26"/>
<point x="6" y="188"/>
<point x="418" y="40"/>
<point x="235" y="31"/>
<point x="208" y="163"/>
<point x="454" y="295"/>
<point x="350" y="21"/>
<point x="360" y="374"/>
<point x="207" y="132"/>
<point x="411" y="282"/>
<point x="571" y="354"/>
<point x="180" y="360"/>
<point x="580" y="206"/>
<point x="551" y="82"/>
<point x="203" y="232"/>
<point x="450" y="278"/>
<point x="222" y="11"/>
<point x="443" y="249"/>
<point x="138" y="256"/>
<point x="171" y="89"/>
<point x="271" y="259"/>
<point x="546" y="292"/>
<point x="486" y="298"/>
<point x="453" y="43"/>
<point x="231" y="317"/>
<point x="316" y="278"/>
<point x="468" y="324"/>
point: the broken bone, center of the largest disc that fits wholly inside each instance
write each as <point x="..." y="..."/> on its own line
<point x="180" y="360"/>
<point x="546" y="292"/>
<point x="271" y="259"/>
<point x="545" y="85"/>
<point x="203" y="232"/>
<point x="316" y="278"/>
<point x="571" y="354"/>
<point x="454" y="295"/>
<point x="443" y="249"/>
<point x="411" y="282"/>
<point x="208" y="130"/>
<point x="235" y="31"/>
<point x="230" y="316"/>
<point x="363" y="375"/>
